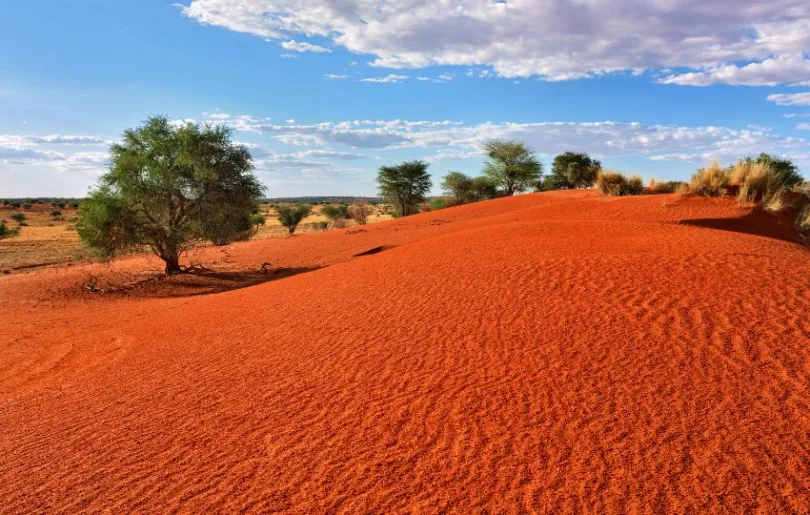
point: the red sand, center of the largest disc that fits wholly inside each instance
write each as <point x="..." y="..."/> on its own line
<point x="545" y="353"/>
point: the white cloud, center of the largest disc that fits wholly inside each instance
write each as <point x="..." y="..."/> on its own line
<point x="217" y="116"/>
<point x="391" y="78"/>
<point x="288" y="56"/>
<point x="335" y="76"/>
<point x="791" y="99"/>
<point x="793" y="70"/>
<point x="803" y="126"/>
<point x="549" y="39"/>
<point x="302" y="46"/>
<point x="455" y="140"/>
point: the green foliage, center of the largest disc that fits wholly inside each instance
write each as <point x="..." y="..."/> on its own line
<point x="459" y="186"/>
<point x="56" y="214"/>
<point x="27" y="206"/>
<point x="7" y="232"/>
<point x="335" y="211"/>
<point x="15" y="205"/>
<point x="512" y="166"/>
<point x="439" y="203"/>
<point x="405" y="185"/>
<point x="291" y="215"/>
<point x="787" y="174"/>
<point x="167" y="188"/>
<point x="257" y="219"/>
<point x="483" y="188"/>
<point x="18" y="217"/>
<point x="572" y="170"/>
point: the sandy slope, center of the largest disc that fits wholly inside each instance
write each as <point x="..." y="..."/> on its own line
<point x="548" y="353"/>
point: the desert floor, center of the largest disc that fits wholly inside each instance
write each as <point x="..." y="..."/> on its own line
<point x="551" y="353"/>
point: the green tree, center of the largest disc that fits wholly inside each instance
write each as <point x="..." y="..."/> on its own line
<point x="573" y="170"/>
<point x="787" y="173"/>
<point x="335" y="212"/>
<point x="512" y="166"/>
<point x="405" y="185"/>
<point x="165" y="189"/>
<point x="290" y="215"/>
<point x="483" y="188"/>
<point x="459" y="186"/>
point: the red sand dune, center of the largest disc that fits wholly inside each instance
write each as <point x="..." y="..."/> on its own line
<point x="546" y="353"/>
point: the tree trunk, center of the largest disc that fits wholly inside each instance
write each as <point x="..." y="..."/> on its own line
<point x="172" y="260"/>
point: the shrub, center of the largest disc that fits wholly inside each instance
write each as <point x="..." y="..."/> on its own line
<point x="340" y="223"/>
<point x="61" y="205"/>
<point x="6" y="202"/>
<point x="360" y="212"/>
<point x="16" y="205"/>
<point x="292" y="215"/>
<point x="7" y="232"/>
<point x="257" y="219"/>
<point x="335" y="212"/>
<point x="18" y="217"/>
<point x="754" y="180"/>
<point x="711" y="181"/>
<point x="617" y="185"/>
<point x="320" y="226"/>
<point x="56" y="214"/>
<point x="664" y="187"/>
<point x="438" y="203"/>
<point x="75" y="205"/>
<point x="26" y="206"/>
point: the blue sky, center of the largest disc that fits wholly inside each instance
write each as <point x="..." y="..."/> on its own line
<point x="325" y="92"/>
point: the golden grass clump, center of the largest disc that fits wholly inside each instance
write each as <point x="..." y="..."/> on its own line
<point x="755" y="181"/>
<point x="616" y="184"/>
<point x="711" y="181"/>
<point x="664" y="186"/>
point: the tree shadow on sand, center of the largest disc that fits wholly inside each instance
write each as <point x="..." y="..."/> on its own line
<point x="205" y="282"/>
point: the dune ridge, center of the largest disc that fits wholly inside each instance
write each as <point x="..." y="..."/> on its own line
<point x="550" y="353"/>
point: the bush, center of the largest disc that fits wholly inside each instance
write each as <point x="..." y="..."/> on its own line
<point x="656" y="187"/>
<point x="292" y="215"/>
<point x="340" y="223"/>
<point x="712" y="181"/>
<point x="320" y="226"/>
<point x="26" y="206"/>
<point x="360" y="212"/>
<point x="754" y="180"/>
<point x="616" y="184"/>
<point x="16" y="205"/>
<point x="439" y="203"/>
<point x="56" y="214"/>
<point x="335" y="212"/>
<point x="18" y="217"/>
<point x="7" y="232"/>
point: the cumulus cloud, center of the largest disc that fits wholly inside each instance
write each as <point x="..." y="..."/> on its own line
<point x="791" y="99"/>
<point x="793" y="70"/>
<point x="455" y="140"/>
<point x="302" y="46"/>
<point x="718" y="41"/>
<point x="803" y="126"/>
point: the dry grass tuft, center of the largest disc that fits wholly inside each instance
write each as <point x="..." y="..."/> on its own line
<point x="711" y="181"/>
<point x="615" y="184"/>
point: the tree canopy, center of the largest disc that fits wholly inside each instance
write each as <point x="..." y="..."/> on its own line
<point x="405" y="185"/>
<point x="170" y="187"/>
<point x="291" y="215"/>
<point x="512" y="166"/>
<point x="459" y="186"/>
<point x="573" y="170"/>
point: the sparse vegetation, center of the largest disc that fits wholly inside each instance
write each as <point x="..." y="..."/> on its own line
<point x="512" y="166"/>
<point x="18" y="217"/>
<point x="360" y="212"/>
<point x="661" y="187"/>
<point x="7" y="232"/>
<point x="405" y="185"/>
<point x="711" y="181"/>
<point x="572" y="170"/>
<point x="335" y="212"/>
<point x="615" y="184"/>
<point x="291" y="215"/>
<point x="56" y="214"/>
<point x="167" y="186"/>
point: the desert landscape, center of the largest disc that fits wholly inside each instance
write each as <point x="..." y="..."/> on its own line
<point x="405" y="257"/>
<point x="552" y="352"/>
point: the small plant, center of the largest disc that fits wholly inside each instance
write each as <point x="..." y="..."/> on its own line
<point x="711" y="181"/>
<point x="360" y="212"/>
<point x="26" y="206"/>
<point x="56" y="214"/>
<point x="18" y="217"/>
<point x="616" y="184"/>
<point x="776" y="201"/>
<point x="292" y="215"/>
<point x="16" y="205"/>
<point x="320" y="226"/>
<point x="7" y="232"/>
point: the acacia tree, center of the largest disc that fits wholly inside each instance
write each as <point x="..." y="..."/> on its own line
<point x="573" y="170"/>
<point x="459" y="186"/>
<point x="512" y="166"/>
<point x="291" y="215"/>
<point x="405" y="185"/>
<point x="167" y="188"/>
